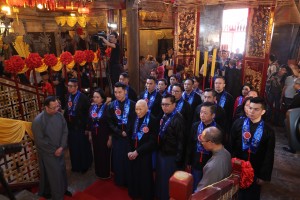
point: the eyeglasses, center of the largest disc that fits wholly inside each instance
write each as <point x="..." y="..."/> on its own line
<point x="165" y="104"/>
<point x="54" y="108"/>
<point x="176" y="91"/>
<point x="71" y="86"/>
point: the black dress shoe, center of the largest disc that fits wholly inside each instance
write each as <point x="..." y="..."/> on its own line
<point x="68" y="193"/>
<point x="288" y="149"/>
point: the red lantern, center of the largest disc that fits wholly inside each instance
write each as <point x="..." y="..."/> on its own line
<point x="16" y="3"/>
<point x="83" y="10"/>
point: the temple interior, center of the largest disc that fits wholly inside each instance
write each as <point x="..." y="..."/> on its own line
<point x="53" y="36"/>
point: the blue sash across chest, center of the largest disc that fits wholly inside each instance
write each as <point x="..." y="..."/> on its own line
<point x="189" y="97"/>
<point x="200" y="129"/>
<point x="96" y="115"/>
<point x="150" y="101"/>
<point x="223" y="99"/>
<point x="247" y="143"/>
<point x="72" y="104"/>
<point x="138" y="133"/>
<point x="165" y="121"/>
<point x="179" y="104"/>
<point x="122" y="116"/>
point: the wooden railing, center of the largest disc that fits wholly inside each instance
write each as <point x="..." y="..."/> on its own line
<point x="181" y="187"/>
<point x="21" y="102"/>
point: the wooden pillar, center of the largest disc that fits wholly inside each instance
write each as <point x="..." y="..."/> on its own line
<point x="258" y="42"/>
<point x="133" y="43"/>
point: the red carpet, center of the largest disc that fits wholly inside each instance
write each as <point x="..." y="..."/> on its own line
<point x="101" y="190"/>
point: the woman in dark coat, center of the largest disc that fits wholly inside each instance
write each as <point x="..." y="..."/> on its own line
<point x="100" y="133"/>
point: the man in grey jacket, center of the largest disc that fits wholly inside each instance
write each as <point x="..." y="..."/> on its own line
<point x="50" y="136"/>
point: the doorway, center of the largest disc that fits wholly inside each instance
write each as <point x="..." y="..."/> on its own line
<point x="234" y="26"/>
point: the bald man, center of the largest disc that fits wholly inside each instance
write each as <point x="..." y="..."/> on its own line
<point x="218" y="166"/>
<point x="142" y="144"/>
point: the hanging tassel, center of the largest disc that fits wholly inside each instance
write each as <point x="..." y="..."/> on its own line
<point x="136" y="138"/>
<point x="158" y="139"/>
<point x="249" y="152"/>
<point x="201" y="156"/>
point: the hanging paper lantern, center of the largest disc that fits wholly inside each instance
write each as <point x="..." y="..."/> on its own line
<point x="14" y="65"/>
<point x="16" y="3"/>
<point x="66" y="58"/>
<point x="34" y="60"/>
<point x="50" y="60"/>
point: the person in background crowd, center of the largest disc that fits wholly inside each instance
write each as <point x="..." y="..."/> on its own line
<point x="59" y="86"/>
<point x="296" y="100"/>
<point x="254" y="140"/>
<point x="120" y="117"/>
<point x="225" y="100"/>
<point x="144" y="73"/>
<point x="173" y="80"/>
<point x="37" y="76"/>
<point x="190" y="95"/>
<point x="233" y="79"/>
<point x="273" y="66"/>
<point x="50" y="136"/>
<point x="131" y="94"/>
<point x="115" y="67"/>
<point x="220" y="117"/>
<point x="76" y="115"/>
<point x="197" y="156"/>
<point x="154" y="73"/>
<point x="152" y="97"/>
<point x="253" y="93"/>
<point x="218" y="166"/>
<point x="45" y="84"/>
<point x="141" y="145"/>
<point x="182" y="106"/>
<point x="288" y="91"/>
<point x="160" y="69"/>
<point x="170" y="66"/>
<point x="162" y="87"/>
<point x="179" y="73"/>
<point x="239" y="100"/>
<point x="99" y="130"/>
<point x="197" y="87"/>
<point x="151" y="63"/>
<point x="170" y="139"/>
<point x="243" y="110"/>
<point x="274" y="88"/>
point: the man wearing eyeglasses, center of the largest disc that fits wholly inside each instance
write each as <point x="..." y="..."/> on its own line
<point x="76" y="115"/>
<point x="218" y="166"/>
<point x="197" y="155"/>
<point x="170" y="146"/>
<point x="50" y="136"/>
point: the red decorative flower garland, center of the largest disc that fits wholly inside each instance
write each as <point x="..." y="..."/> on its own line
<point x="14" y="65"/>
<point x="89" y="55"/>
<point x="79" y="56"/>
<point x="50" y="60"/>
<point x="66" y="58"/>
<point x="108" y="52"/>
<point x="34" y="60"/>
